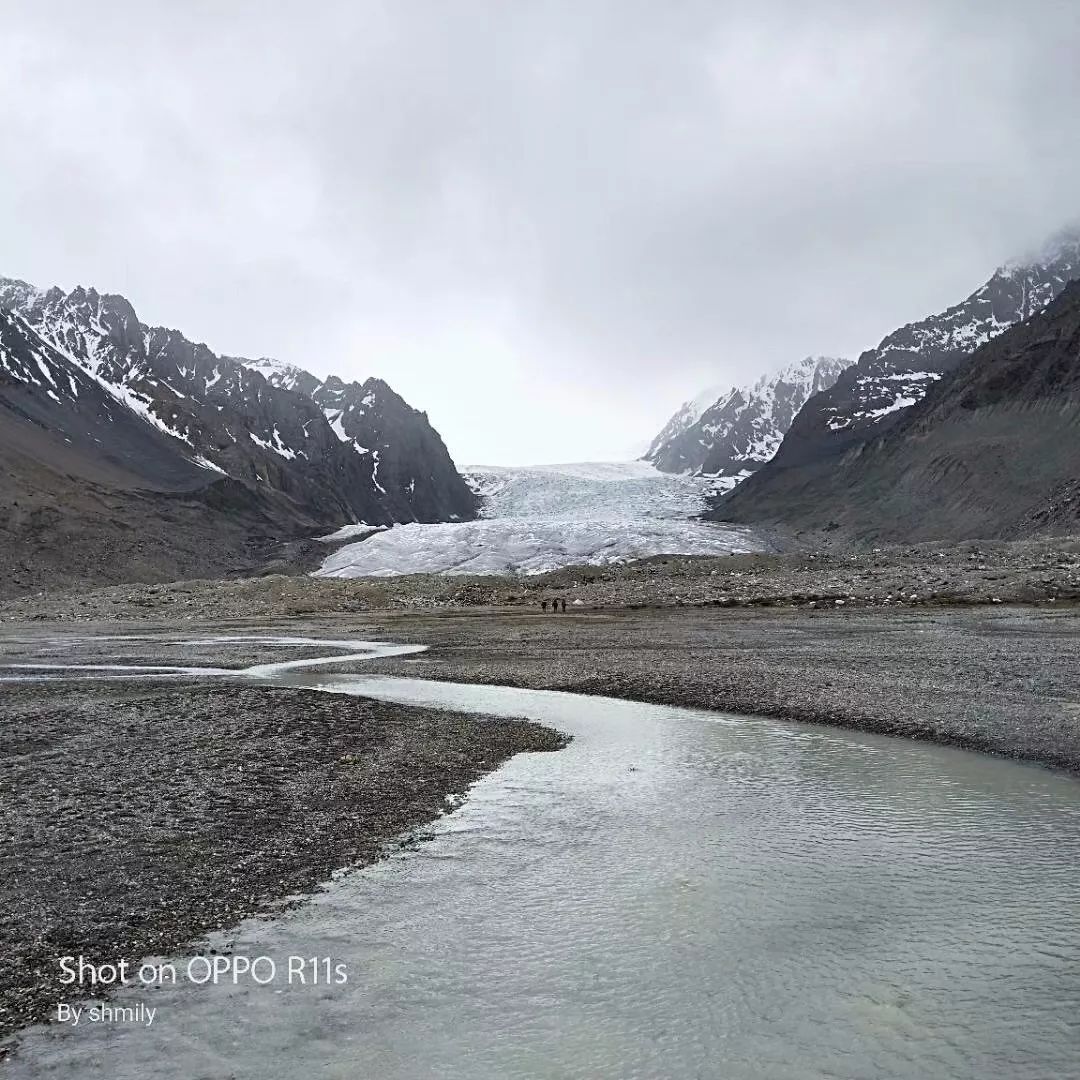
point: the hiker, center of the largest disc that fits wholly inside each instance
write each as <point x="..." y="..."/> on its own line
<point x="543" y="604"/>
<point x="563" y="602"/>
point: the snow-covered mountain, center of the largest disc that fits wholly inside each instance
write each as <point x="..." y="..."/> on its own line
<point x="684" y="418"/>
<point x="44" y="392"/>
<point x="869" y="396"/>
<point x="94" y="490"/>
<point x="876" y="393"/>
<point x="132" y="454"/>
<point x="992" y="450"/>
<point x="738" y="431"/>
<point x="259" y="422"/>
<point x="283" y="376"/>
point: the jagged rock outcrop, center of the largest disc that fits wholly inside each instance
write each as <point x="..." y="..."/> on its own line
<point x="407" y="454"/>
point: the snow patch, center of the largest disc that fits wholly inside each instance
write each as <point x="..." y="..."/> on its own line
<point x="274" y="443"/>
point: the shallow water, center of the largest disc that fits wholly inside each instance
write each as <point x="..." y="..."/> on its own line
<point x="677" y="894"/>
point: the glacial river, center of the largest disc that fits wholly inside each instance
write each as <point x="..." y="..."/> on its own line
<point x="677" y="894"/>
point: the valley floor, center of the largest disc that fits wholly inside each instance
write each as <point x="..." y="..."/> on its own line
<point x="144" y="815"/>
<point x="996" y="679"/>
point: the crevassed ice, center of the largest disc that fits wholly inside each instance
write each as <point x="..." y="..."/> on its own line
<point x="538" y="519"/>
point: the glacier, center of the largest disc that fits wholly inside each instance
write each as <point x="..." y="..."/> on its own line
<point x="540" y="518"/>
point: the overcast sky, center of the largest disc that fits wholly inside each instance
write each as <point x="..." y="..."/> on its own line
<point x="545" y="223"/>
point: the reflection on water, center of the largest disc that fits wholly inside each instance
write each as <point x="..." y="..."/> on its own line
<point x="677" y="894"/>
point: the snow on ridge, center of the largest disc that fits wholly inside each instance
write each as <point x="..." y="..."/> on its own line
<point x="273" y="444"/>
<point x="684" y="418"/>
<point x="900" y="402"/>
<point x="276" y="372"/>
<point x="177" y="386"/>
<point x="118" y="392"/>
<point x="63" y="332"/>
<point x="375" y="470"/>
<point x="709" y="396"/>
<point x="334" y="417"/>
<point x="1064" y="245"/>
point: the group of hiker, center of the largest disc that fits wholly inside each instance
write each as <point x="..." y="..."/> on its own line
<point x="555" y="602"/>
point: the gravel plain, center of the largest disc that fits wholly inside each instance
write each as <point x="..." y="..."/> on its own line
<point x="138" y="816"/>
<point x="999" y="679"/>
<point x="928" y="575"/>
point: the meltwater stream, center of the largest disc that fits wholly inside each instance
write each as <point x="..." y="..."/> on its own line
<point x="676" y="894"/>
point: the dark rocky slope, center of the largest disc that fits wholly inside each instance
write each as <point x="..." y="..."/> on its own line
<point x="411" y="468"/>
<point x="992" y="450"/>
<point x="91" y="492"/>
<point x="409" y="459"/>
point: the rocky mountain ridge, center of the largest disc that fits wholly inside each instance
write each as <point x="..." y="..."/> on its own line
<point x="876" y="391"/>
<point x="285" y="432"/>
<point x="684" y="418"/>
<point x="133" y="454"/>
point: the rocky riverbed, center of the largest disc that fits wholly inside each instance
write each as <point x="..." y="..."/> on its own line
<point x="996" y="679"/>
<point x="137" y="817"/>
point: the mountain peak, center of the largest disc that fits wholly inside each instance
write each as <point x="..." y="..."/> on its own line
<point x="281" y="375"/>
<point x="989" y="451"/>
<point x="1062" y="246"/>
<point x="896" y="374"/>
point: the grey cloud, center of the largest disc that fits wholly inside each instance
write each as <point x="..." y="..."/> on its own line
<point x="578" y="209"/>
